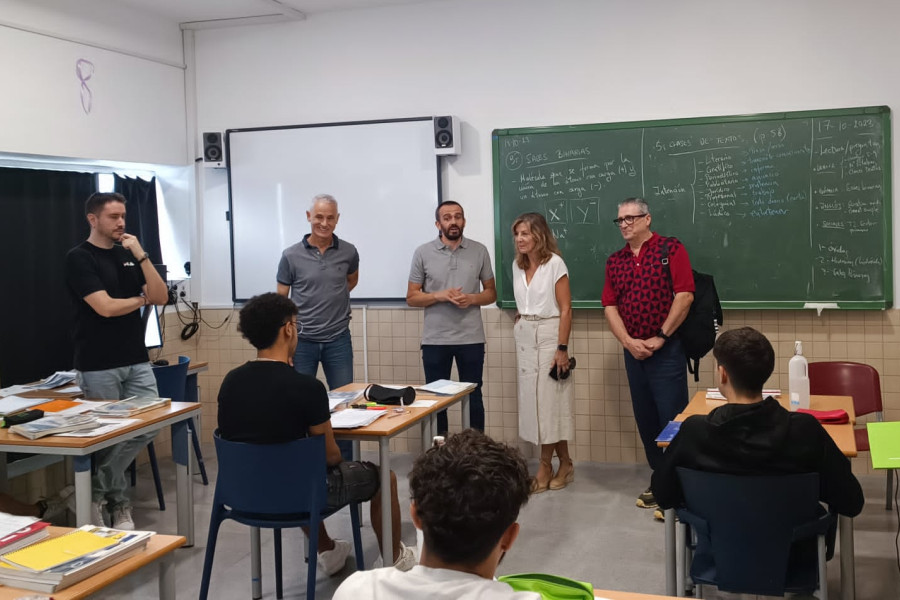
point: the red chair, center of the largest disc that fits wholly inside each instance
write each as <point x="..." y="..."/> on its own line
<point x="837" y="378"/>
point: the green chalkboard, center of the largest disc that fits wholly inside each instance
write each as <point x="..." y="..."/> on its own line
<point x="786" y="210"/>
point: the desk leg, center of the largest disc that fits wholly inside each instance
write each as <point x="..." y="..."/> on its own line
<point x="255" y="565"/>
<point x="466" y="423"/>
<point x="426" y="434"/>
<point x="384" y="459"/>
<point x="671" y="585"/>
<point x="83" y="496"/>
<point x="679" y="559"/>
<point x="4" y="476"/>
<point x="848" y="568"/>
<point x="167" y="577"/>
<point x="357" y="456"/>
<point x="181" y="453"/>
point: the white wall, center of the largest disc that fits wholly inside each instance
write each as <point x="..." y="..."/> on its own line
<point x="518" y="63"/>
<point x="137" y="86"/>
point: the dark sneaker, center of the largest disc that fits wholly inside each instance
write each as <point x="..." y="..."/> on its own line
<point x="658" y="515"/>
<point x="646" y="500"/>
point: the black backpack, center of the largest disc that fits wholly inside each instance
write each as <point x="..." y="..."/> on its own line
<point x="698" y="331"/>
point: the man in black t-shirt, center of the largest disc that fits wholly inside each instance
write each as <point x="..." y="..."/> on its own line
<point x="110" y="278"/>
<point x="265" y="401"/>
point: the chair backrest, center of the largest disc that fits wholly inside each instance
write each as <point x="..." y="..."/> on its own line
<point x="836" y="378"/>
<point x="747" y="528"/>
<point x="171" y="380"/>
<point x="271" y="479"/>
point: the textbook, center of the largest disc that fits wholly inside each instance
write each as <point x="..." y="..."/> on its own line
<point x="59" y="562"/>
<point x="17" y="532"/>
<point x="130" y="406"/>
<point x="53" y="424"/>
<point x="446" y="387"/>
<point x="669" y="432"/>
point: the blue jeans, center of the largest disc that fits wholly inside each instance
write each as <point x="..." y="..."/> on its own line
<point x="659" y="391"/>
<point x="336" y="357"/>
<point x="438" y="360"/>
<point x="109" y="482"/>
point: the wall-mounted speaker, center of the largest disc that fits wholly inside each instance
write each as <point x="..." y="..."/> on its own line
<point x="213" y="149"/>
<point x="447" y="140"/>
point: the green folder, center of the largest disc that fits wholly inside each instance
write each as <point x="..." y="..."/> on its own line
<point x="884" y="442"/>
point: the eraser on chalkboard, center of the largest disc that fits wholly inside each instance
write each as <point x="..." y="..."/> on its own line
<point x="820" y="306"/>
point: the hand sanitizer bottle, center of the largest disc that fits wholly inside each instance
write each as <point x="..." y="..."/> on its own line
<point x="798" y="379"/>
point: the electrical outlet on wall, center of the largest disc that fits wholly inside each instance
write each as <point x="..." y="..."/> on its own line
<point x="179" y="291"/>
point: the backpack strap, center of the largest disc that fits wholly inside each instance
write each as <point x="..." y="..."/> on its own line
<point x="665" y="263"/>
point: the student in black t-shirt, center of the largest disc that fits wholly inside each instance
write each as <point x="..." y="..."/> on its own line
<point x="265" y="401"/>
<point x="110" y="278"/>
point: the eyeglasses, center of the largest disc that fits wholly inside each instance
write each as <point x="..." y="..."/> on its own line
<point x="629" y="220"/>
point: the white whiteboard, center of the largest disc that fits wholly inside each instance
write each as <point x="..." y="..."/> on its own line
<point x="384" y="175"/>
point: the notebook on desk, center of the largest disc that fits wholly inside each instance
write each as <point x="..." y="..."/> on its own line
<point x="884" y="444"/>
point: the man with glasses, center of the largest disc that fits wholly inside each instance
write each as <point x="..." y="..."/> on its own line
<point x="644" y="306"/>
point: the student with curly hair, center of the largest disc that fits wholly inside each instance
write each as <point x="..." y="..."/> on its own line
<point x="466" y="497"/>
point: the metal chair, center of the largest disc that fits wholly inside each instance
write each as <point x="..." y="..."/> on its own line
<point x="274" y="486"/>
<point x="755" y="534"/>
<point x="842" y="378"/>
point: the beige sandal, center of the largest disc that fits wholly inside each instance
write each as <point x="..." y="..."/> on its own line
<point x="536" y="486"/>
<point x="558" y="483"/>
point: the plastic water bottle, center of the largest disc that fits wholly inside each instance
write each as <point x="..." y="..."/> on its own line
<point x="798" y="378"/>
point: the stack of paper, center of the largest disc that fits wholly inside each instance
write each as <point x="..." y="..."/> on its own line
<point x="53" y="424"/>
<point x="130" y="406"/>
<point x="335" y="399"/>
<point x="57" y="379"/>
<point x="446" y="387"/>
<point x="57" y="563"/>
<point x="13" y="404"/>
<point x="350" y="418"/>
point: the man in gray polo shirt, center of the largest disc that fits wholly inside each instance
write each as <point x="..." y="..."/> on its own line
<point x="451" y="278"/>
<point x="317" y="274"/>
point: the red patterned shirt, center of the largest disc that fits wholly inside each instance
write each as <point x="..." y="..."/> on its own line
<point x="639" y="287"/>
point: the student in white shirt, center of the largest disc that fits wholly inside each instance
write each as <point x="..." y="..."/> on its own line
<point x="543" y="323"/>
<point x="466" y="497"/>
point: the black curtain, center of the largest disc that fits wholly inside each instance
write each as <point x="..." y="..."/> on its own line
<point x="41" y="218"/>
<point x="142" y="219"/>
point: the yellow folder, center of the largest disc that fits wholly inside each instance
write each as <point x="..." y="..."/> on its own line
<point x="47" y="554"/>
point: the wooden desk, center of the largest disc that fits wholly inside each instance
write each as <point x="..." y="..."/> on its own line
<point x="191" y="390"/>
<point x="701" y="405"/>
<point x="384" y="429"/>
<point x="160" y="547"/>
<point x="176" y="415"/>
<point x="844" y="438"/>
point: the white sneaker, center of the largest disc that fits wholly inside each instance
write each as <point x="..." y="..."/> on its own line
<point x="97" y="513"/>
<point x="407" y="560"/>
<point x="58" y="503"/>
<point x="332" y="561"/>
<point x="122" y="519"/>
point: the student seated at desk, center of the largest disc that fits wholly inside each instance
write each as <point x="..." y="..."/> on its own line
<point x="466" y="497"/>
<point x="755" y="436"/>
<point x="265" y="401"/>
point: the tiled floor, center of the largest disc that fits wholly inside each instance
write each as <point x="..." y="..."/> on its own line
<point x="590" y="531"/>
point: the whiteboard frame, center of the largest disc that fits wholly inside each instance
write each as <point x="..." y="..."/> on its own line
<point x="390" y="236"/>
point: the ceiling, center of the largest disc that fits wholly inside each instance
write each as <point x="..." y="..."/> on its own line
<point x="219" y="12"/>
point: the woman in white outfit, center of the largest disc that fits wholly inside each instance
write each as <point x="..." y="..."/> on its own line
<point x="543" y="323"/>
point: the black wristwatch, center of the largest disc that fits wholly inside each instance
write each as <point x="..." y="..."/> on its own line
<point x="662" y="335"/>
<point x="145" y="257"/>
<point x="563" y="347"/>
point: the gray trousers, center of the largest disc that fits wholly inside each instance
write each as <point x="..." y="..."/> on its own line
<point x="109" y="483"/>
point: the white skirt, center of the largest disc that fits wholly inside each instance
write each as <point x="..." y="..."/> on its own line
<point x="546" y="407"/>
